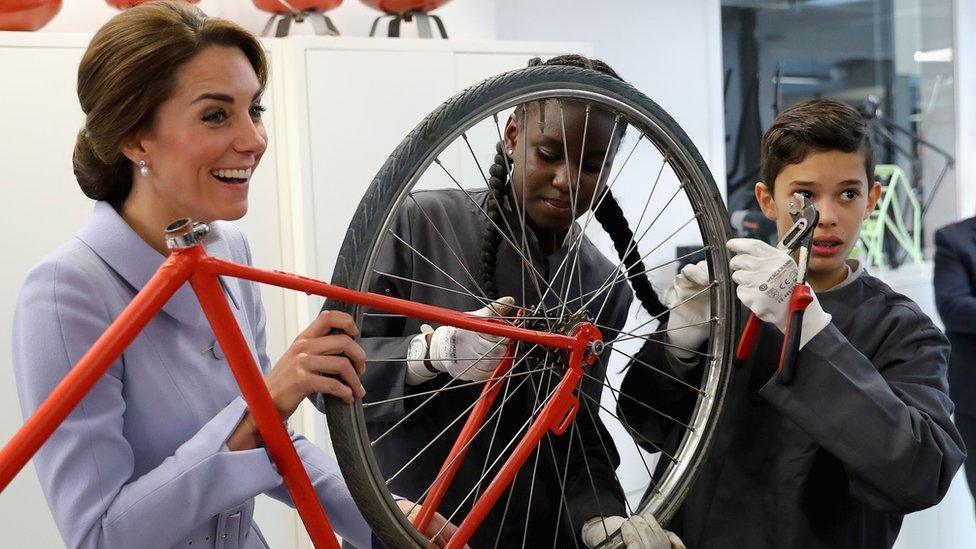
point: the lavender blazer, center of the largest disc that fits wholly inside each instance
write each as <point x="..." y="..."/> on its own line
<point x="139" y="462"/>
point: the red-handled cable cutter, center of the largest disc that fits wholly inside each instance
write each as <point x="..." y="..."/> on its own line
<point x="799" y="239"/>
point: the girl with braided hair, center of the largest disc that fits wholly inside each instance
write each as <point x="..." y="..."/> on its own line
<point x="551" y="166"/>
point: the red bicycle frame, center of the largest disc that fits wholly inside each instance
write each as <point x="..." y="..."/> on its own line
<point x="188" y="261"/>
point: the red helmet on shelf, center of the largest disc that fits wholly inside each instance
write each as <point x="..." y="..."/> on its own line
<point x="404" y="6"/>
<point x="286" y="6"/>
<point x="27" y="15"/>
<point x="122" y="4"/>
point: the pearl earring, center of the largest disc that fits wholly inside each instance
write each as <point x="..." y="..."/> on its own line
<point x="143" y="168"/>
<point x="511" y="152"/>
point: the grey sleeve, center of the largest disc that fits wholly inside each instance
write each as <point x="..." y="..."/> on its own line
<point x="888" y="419"/>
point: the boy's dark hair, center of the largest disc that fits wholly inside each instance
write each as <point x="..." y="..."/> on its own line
<point x="817" y="125"/>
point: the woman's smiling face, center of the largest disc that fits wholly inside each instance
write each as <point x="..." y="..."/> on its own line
<point x="205" y="140"/>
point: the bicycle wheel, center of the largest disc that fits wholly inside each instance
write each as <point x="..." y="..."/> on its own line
<point x="418" y="233"/>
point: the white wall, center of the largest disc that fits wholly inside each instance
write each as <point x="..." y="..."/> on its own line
<point x="464" y="19"/>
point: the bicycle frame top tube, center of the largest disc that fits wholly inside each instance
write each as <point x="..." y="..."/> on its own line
<point x="422" y="311"/>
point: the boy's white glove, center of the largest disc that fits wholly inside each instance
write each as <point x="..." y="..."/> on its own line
<point x="638" y="532"/>
<point x="766" y="276"/>
<point x="692" y="312"/>
<point x="453" y="350"/>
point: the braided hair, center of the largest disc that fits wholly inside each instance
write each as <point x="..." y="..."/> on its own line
<point x="498" y="190"/>
<point x="607" y="212"/>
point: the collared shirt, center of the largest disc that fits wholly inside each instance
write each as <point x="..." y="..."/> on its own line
<point x="138" y="463"/>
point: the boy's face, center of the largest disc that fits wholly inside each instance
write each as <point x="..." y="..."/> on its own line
<point x="837" y="184"/>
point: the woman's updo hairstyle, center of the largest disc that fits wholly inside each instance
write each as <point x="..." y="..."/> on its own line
<point x="128" y="71"/>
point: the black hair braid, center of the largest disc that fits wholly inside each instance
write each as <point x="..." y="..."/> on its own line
<point x="612" y="219"/>
<point x="498" y="188"/>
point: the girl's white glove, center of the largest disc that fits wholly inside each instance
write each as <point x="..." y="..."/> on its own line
<point x="638" y="532"/>
<point x="687" y="323"/>
<point x="766" y="276"/>
<point x="453" y="350"/>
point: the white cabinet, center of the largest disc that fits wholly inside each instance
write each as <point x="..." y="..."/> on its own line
<point x="338" y="107"/>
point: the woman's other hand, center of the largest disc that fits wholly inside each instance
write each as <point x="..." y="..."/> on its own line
<point x="322" y="359"/>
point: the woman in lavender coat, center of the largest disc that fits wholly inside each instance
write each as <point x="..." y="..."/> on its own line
<point x="163" y="452"/>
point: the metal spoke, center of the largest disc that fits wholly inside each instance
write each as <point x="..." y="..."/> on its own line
<point x="608" y="284"/>
<point x="424" y="403"/>
<point x="476" y="359"/>
<point x="491" y="196"/>
<point x="647" y="202"/>
<point x="606" y="453"/>
<point x="446" y="289"/>
<point x="660" y="371"/>
<point x="463" y="448"/>
<point x="640" y="453"/>
<point x="582" y="232"/>
<point x="620" y="278"/>
<point x="711" y="285"/>
<point x="589" y="207"/>
<point x="628" y="335"/>
<point x="508" y="502"/>
<point x="617" y="394"/>
<point x="494" y="431"/>
<point x="673" y="346"/>
<point x="492" y="466"/>
<point x="589" y="474"/>
<point x="485" y="302"/>
<point x="448" y="246"/>
<point x="535" y="466"/>
<point x="444" y="390"/>
<point x="630" y="429"/>
<point x="634" y="243"/>
<point x="562" y="489"/>
<point x="525" y="261"/>
<point x="503" y="317"/>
